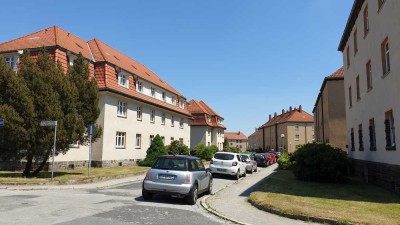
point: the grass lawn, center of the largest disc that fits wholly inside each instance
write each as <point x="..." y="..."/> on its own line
<point x="356" y="202"/>
<point x="79" y="175"/>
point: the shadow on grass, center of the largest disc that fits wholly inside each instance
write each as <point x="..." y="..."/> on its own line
<point x="41" y="174"/>
<point x="284" y="182"/>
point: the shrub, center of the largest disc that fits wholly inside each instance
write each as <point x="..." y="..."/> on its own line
<point x="204" y="152"/>
<point x="156" y="149"/>
<point x="320" y="162"/>
<point x="284" y="161"/>
<point x="177" y="148"/>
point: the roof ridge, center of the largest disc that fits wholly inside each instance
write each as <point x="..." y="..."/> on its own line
<point x="55" y="35"/>
<point x="25" y="35"/>
<point x="100" y="50"/>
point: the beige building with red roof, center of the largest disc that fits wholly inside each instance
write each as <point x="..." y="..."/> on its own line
<point x="330" y="113"/>
<point x="286" y="131"/>
<point x="135" y="104"/>
<point x="206" y="127"/>
<point x="237" y="139"/>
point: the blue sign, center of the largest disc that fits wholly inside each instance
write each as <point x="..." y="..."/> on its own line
<point x="1" y="123"/>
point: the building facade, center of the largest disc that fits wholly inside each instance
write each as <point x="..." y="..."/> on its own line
<point x="237" y="140"/>
<point x="371" y="54"/>
<point x="255" y="140"/>
<point x="135" y="104"/>
<point x="330" y="113"/>
<point x="206" y="127"/>
<point x="287" y="131"/>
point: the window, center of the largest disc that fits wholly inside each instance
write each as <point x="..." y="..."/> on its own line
<point x="163" y="119"/>
<point x="366" y="21"/>
<point x="348" y="56"/>
<point x="240" y="141"/>
<point x="296" y="126"/>
<point x="152" y="116"/>
<point x="209" y="119"/>
<point x="182" y="104"/>
<point x="312" y="127"/>
<point x="390" y="131"/>
<point x="313" y="137"/>
<point x="237" y="141"/>
<point x="139" y="86"/>
<point x="355" y="42"/>
<point x="151" y="138"/>
<point x="11" y="62"/>
<point x="172" y="139"/>
<point x="139" y="113"/>
<point x="208" y="143"/>
<point x="181" y="140"/>
<point x="181" y="123"/>
<point x="163" y="139"/>
<point x="209" y="131"/>
<point x="369" y="75"/>
<point x="358" y="87"/>
<point x="120" y="140"/>
<point x="360" y="138"/>
<point x="231" y="143"/>
<point x="123" y="80"/>
<point x="138" y="140"/>
<point x="372" y="135"/>
<point x="173" y="101"/>
<point x="121" y="109"/>
<point x="385" y="56"/>
<point x="350" y="98"/>
<point x="380" y="3"/>
<point x="164" y="96"/>
<point x="352" y="139"/>
<point x="297" y="137"/>
<point x="153" y="92"/>
<point x="172" y="121"/>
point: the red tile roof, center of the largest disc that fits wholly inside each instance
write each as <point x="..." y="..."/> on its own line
<point x="49" y="37"/>
<point x="235" y="136"/>
<point x="201" y="111"/>
<point x="294" y="115"/>
<point x="337" y="74"/>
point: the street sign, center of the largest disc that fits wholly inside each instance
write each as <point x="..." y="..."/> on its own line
<point x="1" y="123"/>
<point x="48" y="123"/>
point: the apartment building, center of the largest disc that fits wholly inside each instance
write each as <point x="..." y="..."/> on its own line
<point x="330" y="113"/>
<point x="135" y="104"/>
<point x="288" y="130"/>
<point x="206" y="127"/>
<point x="371" y="54"/>
<point x="237" y="140"/>
<point x="255" y="140"/>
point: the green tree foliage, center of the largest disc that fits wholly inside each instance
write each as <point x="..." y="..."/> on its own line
<point x="284" y="161"/>
<point x="226" y="143"/>
<point x="177" y="148"/>
<point x="320" y="162"/>
<point x="156" y="149"/>
<point x="46" y="94"/>
<point x="204" y="152"/>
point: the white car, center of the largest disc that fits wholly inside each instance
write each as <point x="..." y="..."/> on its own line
<point x="228" y="163"/>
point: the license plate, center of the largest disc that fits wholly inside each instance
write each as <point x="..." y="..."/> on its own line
<point x="222" y="170"/>
<point x="166" y="177"/>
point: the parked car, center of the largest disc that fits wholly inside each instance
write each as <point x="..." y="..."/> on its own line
<point x="177" y="176"/>
<point x="228" y="163"/>
<point x="271" y="157"/>
<point x="251" y="164"/>
<point x="261" y="159"/>
<point x="277" y="154"/>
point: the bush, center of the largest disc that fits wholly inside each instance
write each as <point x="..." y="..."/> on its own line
<point x="320" y="162"/>
<point x="204" y="152"/>
<point x="156" y="149"/>
<point x="177" y="148"/>
<point x="284" y="161"/>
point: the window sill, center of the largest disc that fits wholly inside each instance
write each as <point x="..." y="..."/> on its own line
<point x="120" y="116"/>
<point x="139" y="120"/>
<point x="369" y="89"/>
<point x="373" y="149"/>
<point x="152" y="122"/>
<point x="366" y="34"/>
<point x="138" y="147"/>
<point x="358" y="99"/>
<point x="122" y="147"/>
<point x="385" y="74"/>
<point x="126" y="87"/>
<point x="361" y="149"/>
<point x="355" y="53"/>
<point x="391" y="148"/>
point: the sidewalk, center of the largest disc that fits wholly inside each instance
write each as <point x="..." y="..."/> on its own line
<point x="232" y="203"/>
<point x="101" y="184"/>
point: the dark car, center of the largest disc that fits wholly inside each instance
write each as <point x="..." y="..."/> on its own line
<point x="261" y="159"/>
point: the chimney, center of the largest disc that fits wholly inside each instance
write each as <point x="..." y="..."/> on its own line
<point x="275" y="114"/>
<point x="283" y="111"/>
<point x="238" y="132"/>
<point x="300" y="108"/>
<point x="290" y="108"/>
<point x="270" y="117"/>
<point x="256" y="129"/>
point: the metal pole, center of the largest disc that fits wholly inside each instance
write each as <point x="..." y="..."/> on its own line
<point x="54" y="151"/>
<point x="90" y="149"/>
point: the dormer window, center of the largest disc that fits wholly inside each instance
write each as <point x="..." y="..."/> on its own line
<point x="11" y="62"/>
<point x="182" y="104"/>
<point x="153" y="92"/>
<point x="123" y="80"/>
<point x="163" y="96"/>
<point x="139" y="86"/>
<point x="209" y="119"/>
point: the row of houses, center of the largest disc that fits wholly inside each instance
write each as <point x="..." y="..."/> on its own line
<point x="135" y="103"/>
<point x="357" y="108"/>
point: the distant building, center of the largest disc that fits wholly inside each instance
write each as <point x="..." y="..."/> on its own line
<point x="287" y="131"/>
<point x="329" y="112"/>
<point x="206" y="127"/>
<point x="255" y="140"/>
<point x="371" y="54"/>
<point x="135" y="104"/>
<point x="237" y="139"/>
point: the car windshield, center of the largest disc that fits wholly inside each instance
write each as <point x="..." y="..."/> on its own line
<point x="245" y="157"/>
<point x="223" y="156"/>
<point x="171" y="164"/>
<point x="258" y="156"/>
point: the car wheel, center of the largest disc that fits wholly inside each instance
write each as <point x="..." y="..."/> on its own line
<point x="245" y="173"/>
<point x="251" y="171"/>
<point x="256" y="169"/>
<point x="146" y="195"/>
<point x="237" y="176"/>
<point x="192" y="197"/>
<point x="209" y="190"/>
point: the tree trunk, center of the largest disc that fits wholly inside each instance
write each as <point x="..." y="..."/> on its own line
<point x="42" y="164"/>
<point x="28" y="166"/>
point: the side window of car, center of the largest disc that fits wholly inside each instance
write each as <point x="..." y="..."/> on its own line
<point x="193" y="165"/>
<point x="238" y="158"/>
<point x="200" y="165"/>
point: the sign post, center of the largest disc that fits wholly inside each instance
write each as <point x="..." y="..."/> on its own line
<point x="91" y="130"/>
<point x="51" y="124"/>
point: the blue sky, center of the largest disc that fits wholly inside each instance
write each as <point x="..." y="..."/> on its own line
<point x="245" y="58"/>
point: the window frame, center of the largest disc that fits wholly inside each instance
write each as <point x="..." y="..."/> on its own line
<point x="350" y="98"/>
<point x="120" y="140"/>
<point x="355" y="42"/>
<point x="358" y="92"/>
<point x="124" y="106"/>
<point x="372" y="135"/>
<point x="123" y="80"/>
<point x="385" y="54"/>
<point x="368" y="68"/>
<point x="172" y="121"/>
<point x="360" y="138"/>
<point x="139" y="113"/>
<point x="139" y="86"/>
<point x="297" y="137"/>
<point x="152" y="116"/>
<point x="153" y="91"/>
<point x="366" y="21"/>
<point x="389" y="121"/>
<point x="348" y="56"/>
<point x="11" y="62"/>
<point x="138" y="142"/>
<point x="163" y="119"/>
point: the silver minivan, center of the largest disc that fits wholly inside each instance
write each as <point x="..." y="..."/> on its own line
<point x="177" y="176"/>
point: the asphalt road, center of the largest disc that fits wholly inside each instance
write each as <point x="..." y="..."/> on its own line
<point x="116" y="205"/>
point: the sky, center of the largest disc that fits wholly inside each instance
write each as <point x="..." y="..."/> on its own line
<point x="245" y="58"/>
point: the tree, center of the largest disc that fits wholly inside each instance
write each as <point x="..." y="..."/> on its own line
<point x="204" y="152"/>
<point x="178" y="148"/>
<point x="226" y="143"/>
<point x="156" y="149"/>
